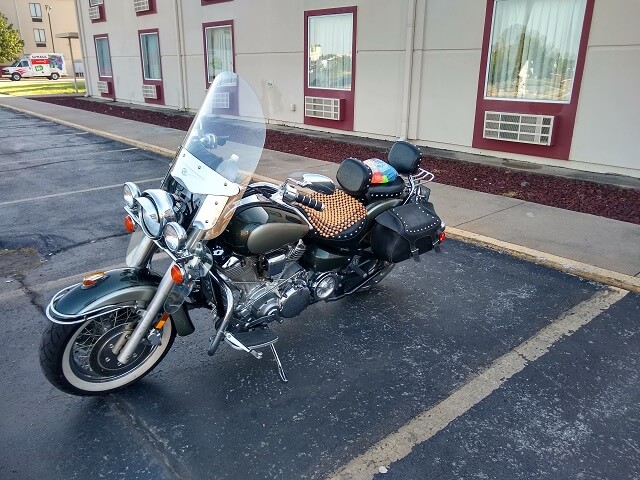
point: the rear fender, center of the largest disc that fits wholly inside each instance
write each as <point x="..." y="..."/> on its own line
<point x="127" y="285"/>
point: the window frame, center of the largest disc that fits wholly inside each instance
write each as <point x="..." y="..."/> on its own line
<point x="142" y="33"/>
<point x="212" y="2"/>
<point x="347" y="97"/>
<point x="159" y="83"/>
<point x="43" y="36"/>
<point x="101" y="77"/>
<point x="35" y="18"/>
<point x="565" y="112"/>
<point x="205" y="27"/>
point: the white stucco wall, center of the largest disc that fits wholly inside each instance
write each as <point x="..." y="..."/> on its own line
<point x="269" y="44"/>
<point x="607" y="122"/>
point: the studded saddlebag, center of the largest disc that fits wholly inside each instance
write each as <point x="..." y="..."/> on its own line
<point x="403" y="232"/>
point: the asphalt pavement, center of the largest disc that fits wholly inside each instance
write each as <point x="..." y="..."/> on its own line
<point x="469" y="364"/>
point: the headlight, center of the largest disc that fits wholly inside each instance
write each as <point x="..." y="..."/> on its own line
<point x="156" y="211"/>
<point x="174" y="236"/>
<point x="130" y="193"/>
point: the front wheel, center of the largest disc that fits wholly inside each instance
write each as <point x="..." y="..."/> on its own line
<point x="15" y="77"/>
<point x="77" y="359"/>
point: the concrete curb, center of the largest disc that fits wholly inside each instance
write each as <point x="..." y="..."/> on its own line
<point x="573" y="267"/>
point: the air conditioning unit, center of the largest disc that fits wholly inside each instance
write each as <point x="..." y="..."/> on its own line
<point x="141" y="6"/>
<point x="94" y="13"/>
<point x="519" y="127"/>
<point x="221" y="100"/>
<point x="326" y="108"/>
<point x="150" y="91"/>
<point x="104" y="87"/>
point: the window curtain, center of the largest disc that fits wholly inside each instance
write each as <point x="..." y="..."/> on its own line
<point x="151" y="56"/>
<point x="534" y="47"/>
<point x="104" y="57"/>
<point x="330" y="38"/>
<point x="219" y="51"/>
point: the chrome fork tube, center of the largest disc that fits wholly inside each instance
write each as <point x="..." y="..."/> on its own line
<point x="157" y="303"/>
<point x="142" y="255"/>
<point x="166" y="284"/>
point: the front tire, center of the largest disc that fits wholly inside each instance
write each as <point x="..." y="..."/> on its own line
<point x="15" y="77"/>
<point x="77" y="358"/>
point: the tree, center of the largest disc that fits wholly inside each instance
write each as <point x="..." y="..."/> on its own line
<point x="10" y="42"/>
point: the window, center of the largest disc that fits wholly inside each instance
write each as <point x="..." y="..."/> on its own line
<point x="150" y="48"/>
<point x="36" y="12"/>
<point x="330" y="39"/>
<point x="40" y="37"/>
<point x="219" y="48"/>
<point x="103" y="56"/>
<point x="93" y="3"/>
<point x="534" y="49"/>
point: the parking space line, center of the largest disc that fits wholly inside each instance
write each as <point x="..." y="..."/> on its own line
<point x="427" y="424"/>
<point x="75" y="192"/>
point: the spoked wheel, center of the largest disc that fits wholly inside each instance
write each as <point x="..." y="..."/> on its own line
<point x="78" y="359"/>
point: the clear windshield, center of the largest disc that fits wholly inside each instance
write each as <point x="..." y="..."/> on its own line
<point x="225" y="141"/>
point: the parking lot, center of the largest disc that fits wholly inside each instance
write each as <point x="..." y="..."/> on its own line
<point x="469" y="364"/>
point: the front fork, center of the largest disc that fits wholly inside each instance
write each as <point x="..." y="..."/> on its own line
<point x="140" y="257"/>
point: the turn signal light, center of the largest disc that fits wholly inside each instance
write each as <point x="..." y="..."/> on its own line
<point x="129" y="224"/>
<point x="442" y="237"/>
<point x="93" y="279"/>
<point x="177" y="274"/>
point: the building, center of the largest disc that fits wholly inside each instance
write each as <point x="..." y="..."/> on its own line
<point x="39" y="23"/>
<point x="544" y="81"/>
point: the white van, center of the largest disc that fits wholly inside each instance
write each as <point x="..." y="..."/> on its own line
<point x="48" y="65"/>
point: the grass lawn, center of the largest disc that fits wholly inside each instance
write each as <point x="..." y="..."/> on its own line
<point x="40" y="87"/>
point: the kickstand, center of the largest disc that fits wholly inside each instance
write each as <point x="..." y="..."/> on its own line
<point x="283" y="377"/>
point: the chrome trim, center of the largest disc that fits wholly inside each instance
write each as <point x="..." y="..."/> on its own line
<point x="134" y="190"/>
<point x="57" y="317"/>
<point x="215" y="341"/>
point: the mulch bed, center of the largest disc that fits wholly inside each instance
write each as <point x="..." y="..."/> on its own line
<point x="581" y="196"/>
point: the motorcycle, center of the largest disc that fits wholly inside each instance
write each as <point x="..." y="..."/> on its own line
<point x="252" y="252"/>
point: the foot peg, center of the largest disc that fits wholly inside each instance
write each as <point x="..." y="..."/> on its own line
<point x="251" y="341"/>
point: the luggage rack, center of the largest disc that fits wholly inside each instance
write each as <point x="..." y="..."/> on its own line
<point x="421" y="177"/>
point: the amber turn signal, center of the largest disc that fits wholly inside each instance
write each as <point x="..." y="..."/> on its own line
<point x="129" y="224"/>
<point x="177" y="274"/>
<point x="92" y="279"/>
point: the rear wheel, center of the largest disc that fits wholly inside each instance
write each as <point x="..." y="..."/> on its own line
<point x="78" y="358"/>
<point x="54" y="76"/>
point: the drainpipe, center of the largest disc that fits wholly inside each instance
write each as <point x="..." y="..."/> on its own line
<point x="83" y="46"/>
<point x="408" y="70"/>
<point x="182" y="68"/>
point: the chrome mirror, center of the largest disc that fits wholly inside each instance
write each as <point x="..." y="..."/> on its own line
<point x="318" y="183"/>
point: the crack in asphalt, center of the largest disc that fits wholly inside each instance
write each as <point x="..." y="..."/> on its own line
<point x="489" y="214"/>
<point x="149" y="439"/>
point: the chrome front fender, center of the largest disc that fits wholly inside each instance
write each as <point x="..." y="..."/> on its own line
<point x="76" y="304"/>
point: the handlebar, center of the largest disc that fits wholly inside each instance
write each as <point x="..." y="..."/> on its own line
<point x="307" y="201"/>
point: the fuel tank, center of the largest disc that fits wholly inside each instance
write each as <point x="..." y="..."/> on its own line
<point x="262" y="228"/>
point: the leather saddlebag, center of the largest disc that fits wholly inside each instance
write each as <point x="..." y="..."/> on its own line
<point x="403" y="232"/>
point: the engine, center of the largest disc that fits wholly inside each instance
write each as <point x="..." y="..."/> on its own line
<point x="269" y="286"/>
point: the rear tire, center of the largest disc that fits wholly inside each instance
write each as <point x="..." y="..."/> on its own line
<point x="54" y="76"/>
<point x="77" y="358"/>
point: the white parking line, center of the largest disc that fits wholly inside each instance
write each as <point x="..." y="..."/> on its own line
<point x="64" y="194"/>
<point x="399" y="444"/>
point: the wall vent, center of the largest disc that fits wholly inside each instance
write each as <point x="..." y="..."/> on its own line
<point x="221" y="100"/>
<point x="141" y="6"/>
<point x="104" y="87"/>
<point x="150" y="91"/>
<point x="327" y="108"/>
<point x="94" y="13"/>
<point x="518" y="127"/>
